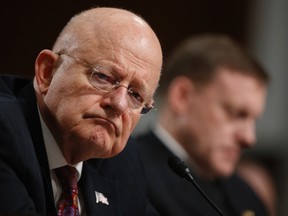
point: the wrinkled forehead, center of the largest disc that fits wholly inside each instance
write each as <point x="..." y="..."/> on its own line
<point x="133" y="68"/>
<point x="124" y="41"/>
<point x="113" y="28"/>
<point x="135" y="53"/>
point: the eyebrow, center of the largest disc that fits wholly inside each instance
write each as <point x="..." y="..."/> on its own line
<point x="121" y="74"/>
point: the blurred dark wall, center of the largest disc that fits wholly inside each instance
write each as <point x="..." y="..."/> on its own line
<point x="32" y="25"/>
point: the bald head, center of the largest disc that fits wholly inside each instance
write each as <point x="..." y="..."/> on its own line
<point x="99" y="25"/>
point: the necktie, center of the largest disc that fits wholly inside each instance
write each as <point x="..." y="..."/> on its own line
<point x="68" y="203"/>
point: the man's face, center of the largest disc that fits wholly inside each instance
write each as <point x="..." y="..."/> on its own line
<point x="221" y="120"/>
<point x="86" y="122"/>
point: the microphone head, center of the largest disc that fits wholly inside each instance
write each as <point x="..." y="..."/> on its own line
<point x="178" y="166"/>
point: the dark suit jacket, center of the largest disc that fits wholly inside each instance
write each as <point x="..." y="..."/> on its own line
<point x="25" y="187"/>
<point x="172" y="195"/>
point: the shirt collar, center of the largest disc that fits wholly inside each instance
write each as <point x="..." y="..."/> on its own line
<point x="169" y="141"/>
<point x="174" y="146"/>
<point x="54" y="154"/>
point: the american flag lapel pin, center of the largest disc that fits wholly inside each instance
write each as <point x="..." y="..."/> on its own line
<point x="100" y="198"/>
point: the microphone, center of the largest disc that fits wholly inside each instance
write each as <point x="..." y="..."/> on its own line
<point x="180" y="168"/>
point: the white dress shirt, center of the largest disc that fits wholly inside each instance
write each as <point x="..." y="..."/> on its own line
<point x="55" y="160"/>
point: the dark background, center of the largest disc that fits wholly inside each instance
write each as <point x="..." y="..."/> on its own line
<point x="29" y="26"/>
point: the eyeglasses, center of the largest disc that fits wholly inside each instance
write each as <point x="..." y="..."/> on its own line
<point x="106" y="81"/>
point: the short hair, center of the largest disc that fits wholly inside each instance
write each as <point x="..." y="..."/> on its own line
<point x="199" y="57"/>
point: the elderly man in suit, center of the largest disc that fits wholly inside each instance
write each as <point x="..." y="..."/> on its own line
<point x="63" y="135"/>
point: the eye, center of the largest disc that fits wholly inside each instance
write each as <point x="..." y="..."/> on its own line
<point x="136" y="96"/>
<point x="237" y="114"/>
<point x="102" y="77"/>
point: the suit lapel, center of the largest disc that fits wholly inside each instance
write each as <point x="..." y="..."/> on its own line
<point x="99" y="193"/>
<point x="27" y="102"/>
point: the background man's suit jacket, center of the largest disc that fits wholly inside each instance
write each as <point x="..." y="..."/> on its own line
<point x="172" y="195"/>
<point x="25" y="187"/>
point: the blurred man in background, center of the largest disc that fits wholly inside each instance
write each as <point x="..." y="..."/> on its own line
<point x="213" y="92"/>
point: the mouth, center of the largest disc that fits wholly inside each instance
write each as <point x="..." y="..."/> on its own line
<point x="105" y="122"/>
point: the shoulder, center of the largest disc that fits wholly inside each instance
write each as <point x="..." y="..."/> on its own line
<point x="14" y="133"/>
<point x="241" y="194"/>
<point x="122" y="165"/>
<point x="11" y="115"/>
<point x="237" y="185"/>
<point x="152" y="150"/>
<point x="12" y="85"/>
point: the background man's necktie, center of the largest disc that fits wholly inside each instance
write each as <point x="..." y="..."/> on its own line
<point x="68" y="203"/>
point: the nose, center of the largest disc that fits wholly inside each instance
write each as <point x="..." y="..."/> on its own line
<point x="116" y="100"/>
<point x="247" y="135"/>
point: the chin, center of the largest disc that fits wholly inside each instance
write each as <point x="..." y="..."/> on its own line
<point x="226" y="172"/>
<point x="113" y="151"/>
<point x="225" y="167"/>
<point x="223" y="170"/>
<point x="117" y="150"/>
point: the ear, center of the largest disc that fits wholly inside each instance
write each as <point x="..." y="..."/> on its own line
<point x="179" y="94"/>
<point x="44" y="67"/>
